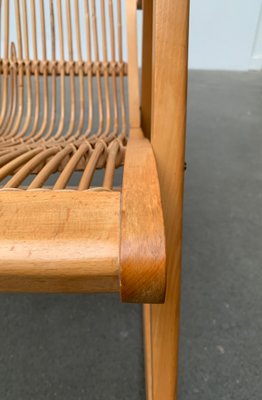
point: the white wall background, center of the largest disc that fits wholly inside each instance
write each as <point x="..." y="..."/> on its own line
<point x="225" y="34"/>
<point x="13" y="27"/>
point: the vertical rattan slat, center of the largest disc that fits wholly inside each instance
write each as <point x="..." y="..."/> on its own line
<point x="53" y="73"/>
<point x="72" y="101"/>
<point x="5" y="70"/>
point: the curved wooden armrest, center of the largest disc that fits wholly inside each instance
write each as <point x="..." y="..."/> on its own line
<point x="142" y="247"/>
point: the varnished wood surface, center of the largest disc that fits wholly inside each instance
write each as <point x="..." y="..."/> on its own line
<point x="146" y="92"/>
<point x="170" y="48"/>
<point x="133" y="82"/>
<point x="142" y="249"/>
<point x="148" y="351"/>
<point x="59" y="241"/>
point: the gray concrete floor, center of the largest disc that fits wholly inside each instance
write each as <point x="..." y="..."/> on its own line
<point x="221" y="339"/>
<point x="90" y="347"/>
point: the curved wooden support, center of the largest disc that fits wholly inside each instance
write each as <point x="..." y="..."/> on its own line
<point x="142" y="247"/>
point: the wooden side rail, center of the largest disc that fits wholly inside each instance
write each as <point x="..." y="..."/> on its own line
<point x="59" y="241"/>
<point x="88" y="241"/>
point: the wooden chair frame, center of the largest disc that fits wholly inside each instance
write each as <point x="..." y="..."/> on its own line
<point x="165" y="37"/>
<point x="99" y="239"/>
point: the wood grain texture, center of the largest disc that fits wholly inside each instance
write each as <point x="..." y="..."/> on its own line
<point x="59" y="241"/>
<point x="148" y="351"/>
<point x="146" y="93"/>
<point x="170" y="52"/>
<point x="142" y="249"/>
<point x="133" y="81"/>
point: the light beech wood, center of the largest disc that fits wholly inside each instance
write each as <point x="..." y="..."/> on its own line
<point x="161" y="322"/>
<point x="133" y="83"/>
<point x="146" y="95"/>
<point x="148" y="351"/>
<point x="59" y="241"/>
<point x="142" y="248"/>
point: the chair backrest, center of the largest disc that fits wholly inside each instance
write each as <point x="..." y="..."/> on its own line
<point x="76" y="40"/>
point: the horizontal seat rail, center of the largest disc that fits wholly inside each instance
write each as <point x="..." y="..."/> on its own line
<point x="59" y="241"/>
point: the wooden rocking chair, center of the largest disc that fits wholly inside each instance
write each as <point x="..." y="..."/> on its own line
<point x="71" y="112"/>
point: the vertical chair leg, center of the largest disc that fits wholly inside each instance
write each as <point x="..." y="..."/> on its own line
<point x="161" y="338"/>
<point x="148" y="351"/>
<point x="168" y="117"/>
